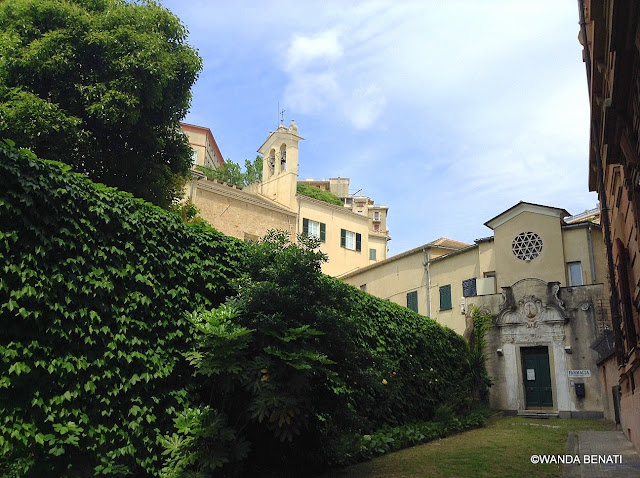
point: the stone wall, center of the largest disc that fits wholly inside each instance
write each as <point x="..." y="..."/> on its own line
<point x="531" y="314"/>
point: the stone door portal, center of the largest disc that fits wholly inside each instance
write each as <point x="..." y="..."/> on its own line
<point x="537" y="377"/>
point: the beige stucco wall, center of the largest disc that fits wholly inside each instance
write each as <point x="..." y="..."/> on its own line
<point x="198" y="141"/>
<point x="233" y="214"/>
<point x="379" y="243"/>
<point x="559" y="247"/>
<point x="395" y="280"/>
<point x="452" y="270"/>
<point x="609" y="379"/>
<point x="486" y="257"/>
<point x="341" y="260"/>
<point x="576" y="249"/>
<point x="549" y="265"/>
<point x="201" y="143"/>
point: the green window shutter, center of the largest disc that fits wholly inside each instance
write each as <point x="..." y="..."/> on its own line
<point x="305" y="226"/>
<point x="469" y="288"/>
<point x="358" y="242"/>
<point x="445" y="297"/>
<point x="343" y="238"/>
<point x="412" y="301"/>
<point x="323" y="232"/>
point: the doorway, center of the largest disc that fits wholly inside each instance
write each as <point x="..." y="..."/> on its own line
<point x="537" y="377"/>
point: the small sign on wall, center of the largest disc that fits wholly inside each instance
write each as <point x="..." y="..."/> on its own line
<point x="531" y="374"/>
<point x="579" y="373"/>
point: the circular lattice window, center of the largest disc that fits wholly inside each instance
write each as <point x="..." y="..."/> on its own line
<point x="527" y="246"/>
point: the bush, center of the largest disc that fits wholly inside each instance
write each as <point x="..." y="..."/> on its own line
<point x="103" y="372"/>
<point x="298" y="360"/>
<point x="319" y="194"/>
<point x="93" y="290"/>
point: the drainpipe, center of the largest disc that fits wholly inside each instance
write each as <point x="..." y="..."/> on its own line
<point x="426" y="264"/>
<point x="614" y="300"/>
<point x="593" y="264"/>
<point x="298" y="228"/>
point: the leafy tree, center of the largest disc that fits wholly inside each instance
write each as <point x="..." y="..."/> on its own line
<point x="232" y="173"/>
<point x="100" y="85"/>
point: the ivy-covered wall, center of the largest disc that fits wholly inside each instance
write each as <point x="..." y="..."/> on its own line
<point x="94" y="285"/>
<point x="95" y="288"/>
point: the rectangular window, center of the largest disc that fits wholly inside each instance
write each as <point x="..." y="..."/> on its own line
<point x="575" y="273"/>
<point x="314" y="229"/>
<point x="445" y="297"/>
<point x="350" y="240"/>
<point x="194" y="157"/>
<point x="412" y="301"/>
<point x="372" y="254"/>
<point x="469" y="288"/>
<point x="376" y="216"/>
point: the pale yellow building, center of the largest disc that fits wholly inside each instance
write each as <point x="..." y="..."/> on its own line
<point x="204" y="146"/>
<point x="542" y="280"/>
<point x="363" y="206"/>
<point x="352" y="239"/>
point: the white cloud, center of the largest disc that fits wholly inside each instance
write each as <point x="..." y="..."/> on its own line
<point x="308" y="51"/>
<point x="364" y="106"/>
<point x="325" y="73"/>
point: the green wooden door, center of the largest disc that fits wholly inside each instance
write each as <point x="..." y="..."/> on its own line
<point x="537" y="377"/>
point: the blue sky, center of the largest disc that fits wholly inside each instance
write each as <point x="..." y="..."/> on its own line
<point x="446" y="112"/>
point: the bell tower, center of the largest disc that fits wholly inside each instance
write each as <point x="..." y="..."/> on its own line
<point x="280" y="165"/>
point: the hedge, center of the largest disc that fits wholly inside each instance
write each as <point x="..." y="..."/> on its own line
<point x="93" y="290"/>
<point x="131" y="343"/>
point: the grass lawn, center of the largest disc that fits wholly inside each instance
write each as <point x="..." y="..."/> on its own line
<point x="502" y="449"/>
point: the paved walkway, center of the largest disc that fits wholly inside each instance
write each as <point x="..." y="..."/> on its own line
<point x="602" y="455"/>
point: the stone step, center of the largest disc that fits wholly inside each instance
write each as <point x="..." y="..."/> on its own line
<point x="538" y="413"/>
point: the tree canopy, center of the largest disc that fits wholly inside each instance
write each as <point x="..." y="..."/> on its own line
<point x="319" y="194"/>
<point x="231" y="172"/>
<point x="101" y="85"/>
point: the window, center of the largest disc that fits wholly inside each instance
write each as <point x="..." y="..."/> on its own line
<point x="350" y="240"/>
<point x="469" y="288"/>
<point x="527" y="246"/>
<point x="376" y="227"/>
<point x="250" y="237"/>
<point x="372" y="254"/>
<point x="412" y="301"/>
<point x="314" y="229"/>
<point x="376" y="216"/>
<point x="445" y="297"/>
<point x="194" y="157"/>
<point x="575" y="273"/>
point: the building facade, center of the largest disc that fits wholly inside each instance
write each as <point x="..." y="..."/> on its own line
<point x="350" y="238"/>
<point x="610" y="37"/>
<point x="378" y="234"/>
<point x="541" y="279"/>
<point x="204" y="146"/>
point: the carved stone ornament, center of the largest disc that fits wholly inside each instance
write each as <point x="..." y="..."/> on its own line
<point x="531" y="313"/>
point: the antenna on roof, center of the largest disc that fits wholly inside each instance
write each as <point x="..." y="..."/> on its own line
<point x="280" y="114"/>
